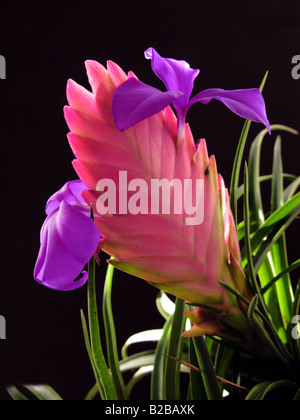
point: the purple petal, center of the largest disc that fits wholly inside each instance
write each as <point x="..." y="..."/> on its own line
<point x="70" y="192"/>
<point x="177" y="75"/>
<point x="135" y="101"/>
<point x="247" y="103"/>
<point x="69" y="239"/>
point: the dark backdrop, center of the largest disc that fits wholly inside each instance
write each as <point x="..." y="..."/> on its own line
<point x="47" y="42"/>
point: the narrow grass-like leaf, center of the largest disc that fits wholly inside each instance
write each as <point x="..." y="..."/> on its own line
<point x="267" y="269"/>
<point x="158" y="376"/>
<point x="275" y="321"/>
<point x="275" y="223"/>
<point x="257" y="391"/>
<point x="291" y="189"/>
<point x="236" y="170"/>
<point x="263" y="334"/>
<point x="90" y="354"/>
<point x="111" y="337"/>
<point x="141" y="337"/>
<point x="140" y="374"/>
<point x="274" y="233"/>
<point x="206" y="367"/>
<point x="171" y="369"/>
<point x="92" y="393"/>
<point x="44" y="392"/>
<point x="275" y="385"/>
<point x="16" y="394"/>
<point x="297" y="396"/>
<point x="197" y="388"/>
<point x="223" y="358"/>
<point x="235" y="293"/>
<point x="95" y="338"/>
<point x="279" y="253"/>
<point x="238" y="162"/>
<point x="165" y="305"/>
<point x="138" y="360"/>
<point x="256" y="206"/>
<point x="289" y="269"/>
<point x="196" y="369"/>
<point x="250" y="270"/>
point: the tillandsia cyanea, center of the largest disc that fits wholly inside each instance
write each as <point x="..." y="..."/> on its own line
<point x="125" y="126"/>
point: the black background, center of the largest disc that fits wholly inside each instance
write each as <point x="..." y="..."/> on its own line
<point x="45" y="43"/>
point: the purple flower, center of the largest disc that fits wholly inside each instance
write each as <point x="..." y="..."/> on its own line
<point x="69" y="238"/>
<point x="135" y="101"/>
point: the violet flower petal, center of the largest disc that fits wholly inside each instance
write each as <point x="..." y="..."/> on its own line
<point x="177" y="75"/>
<point x="69" y="239"/>
<point x="135" y="101"/>
<point x="247" y="103"/>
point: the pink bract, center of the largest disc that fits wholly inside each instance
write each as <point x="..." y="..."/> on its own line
<point x="185" y="261"/>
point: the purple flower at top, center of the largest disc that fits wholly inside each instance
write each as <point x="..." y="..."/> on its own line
<point x="135" y="101"/>
<point x="69" y="238"/>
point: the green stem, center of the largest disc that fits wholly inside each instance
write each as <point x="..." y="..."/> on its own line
<point x="171" y="371"/>
<point x="111" y="338"/>
<point x="95" y="338"/>
<point x="208" y="373"/>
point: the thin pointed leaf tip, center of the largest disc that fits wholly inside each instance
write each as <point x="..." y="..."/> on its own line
<point x="135" y="101"/>
<point x="182" y="240"/>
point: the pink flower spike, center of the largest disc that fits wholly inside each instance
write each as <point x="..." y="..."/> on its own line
<point x="165" y="239"/>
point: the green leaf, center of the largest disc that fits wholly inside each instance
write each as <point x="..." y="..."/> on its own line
<point x="44" y="392"/>
<point x="171" y="370"/>
<point x="291" y="189"/>
<point x="16" y="394"/>
<point x="95" y="339"/>
<point x="238" y="161"/>
<point x="158" y="376"/>
<point x="256" y="207"/>
<point x="141" y="337"/>
<point x="92" y="393"/>
<point x="236" y="170"/>
<point x="248" y="246"/>
<point x="111" y="338"/>
<point x="257" y="392"/>
<point x="273" y="232"/>
<point x="197" y="388"/>
<point x="297" y="396"/>
<point x="140" y="374"/>
<point x="289" y="269"/>
<point x="165" y="305"/>
<point x="208" y="373"/>
<point x="276" y="385"/>
<point x="90" y="354"/>
<point x="269" y="265"/>
<point x="275" y="224"/>
<point x="279" y="253"/>
<point x="138" y="360"/>
<point x="263" y="334"/>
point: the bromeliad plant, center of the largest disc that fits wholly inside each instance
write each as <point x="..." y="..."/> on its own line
<point x="230" y="275"/>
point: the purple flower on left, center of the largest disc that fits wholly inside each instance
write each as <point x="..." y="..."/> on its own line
<point x="69" y="238"/>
